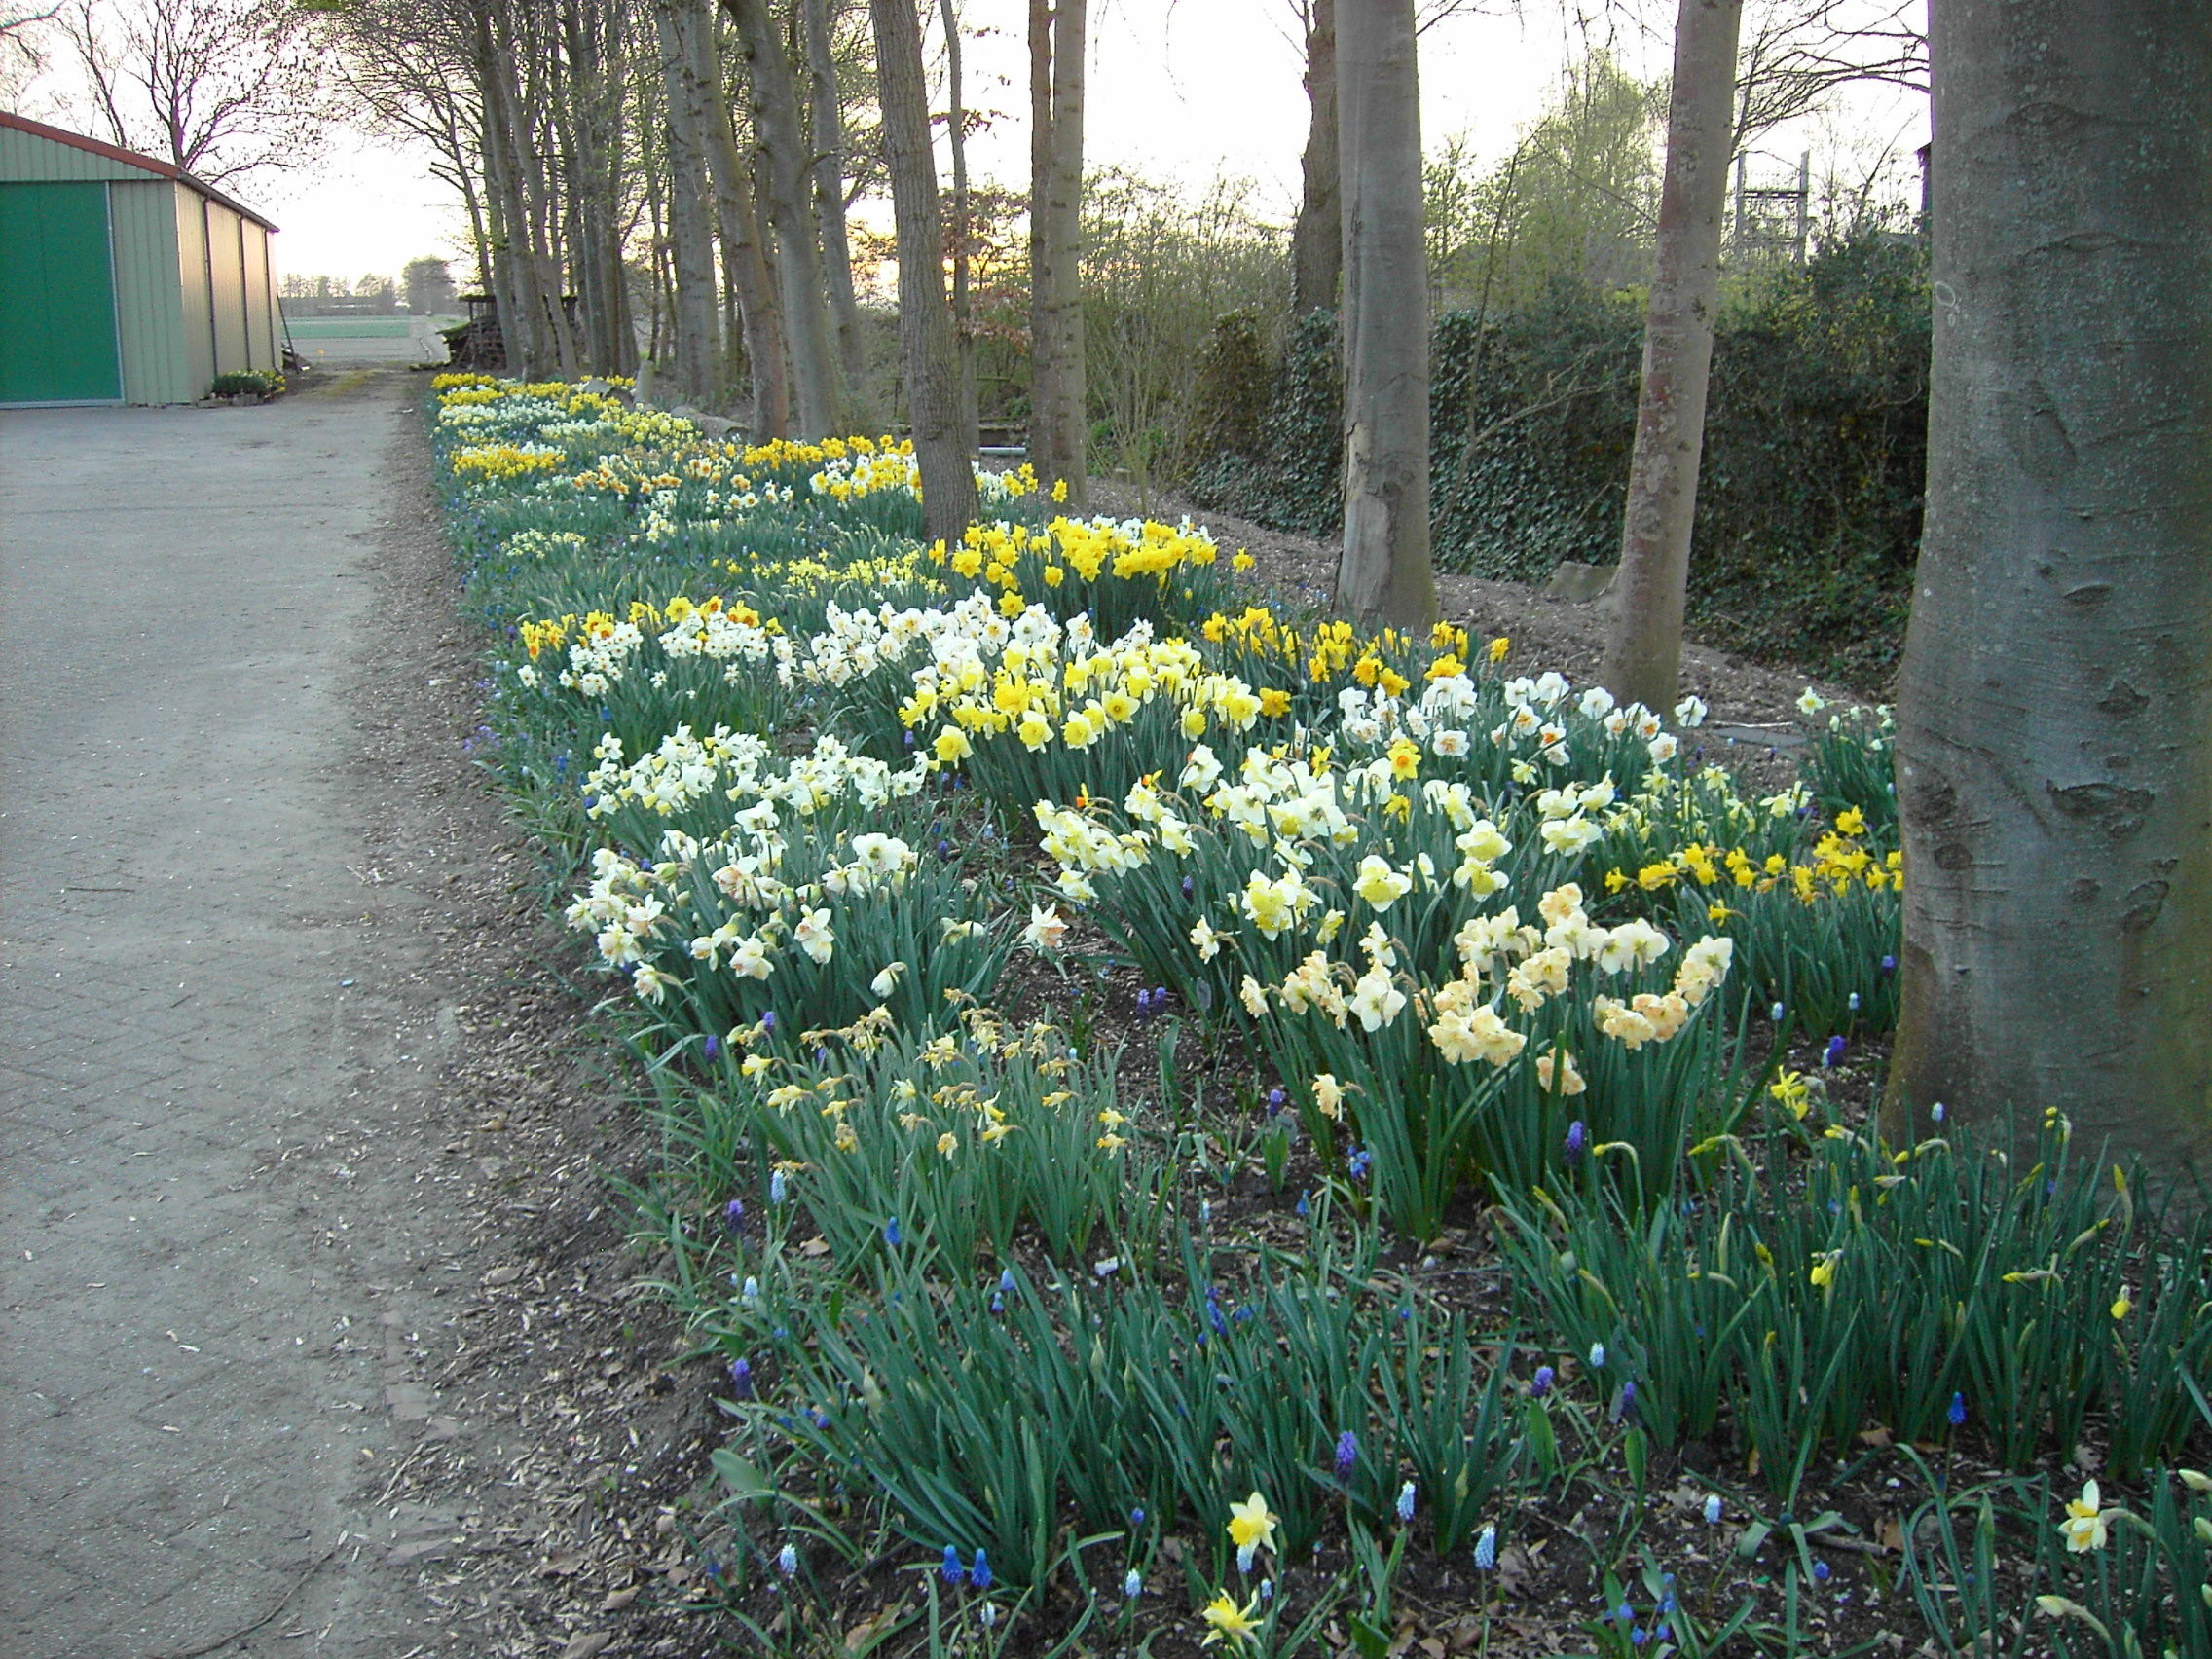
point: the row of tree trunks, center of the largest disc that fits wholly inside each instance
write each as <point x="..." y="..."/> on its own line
<point x="1059" y="427"/>
<point x="745" y="260"/>
<point x="698" y="339"/>
<point x="925" y="319"/>
<point x="815" y="373"/>
<point x="827" y="124"/>
<point x="522" y="297"/>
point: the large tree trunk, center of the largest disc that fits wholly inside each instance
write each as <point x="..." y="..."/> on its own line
<point x="925" y="322"/>
<point x="1643" y="644"/>
<point x="827" y="125"/>
<point x="956" y="134"/>
<point x="699" y="345"/>
<point x="1059" y="421"/>
<point x="1383" y="574"/>
<point x="2054" y="772"/>
<point x="798" y="256"/>
<point x="1316" y="240"/>
<point x="744" y="259"/>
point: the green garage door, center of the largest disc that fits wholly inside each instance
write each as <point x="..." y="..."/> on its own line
<point x="57" y="296"/>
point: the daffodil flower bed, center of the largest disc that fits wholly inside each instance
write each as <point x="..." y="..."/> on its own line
<point x="1355" y="917"/>
<point x="702" y="784"/>
<point x="1816" y="927"/>
<point x="1466" y="949"/>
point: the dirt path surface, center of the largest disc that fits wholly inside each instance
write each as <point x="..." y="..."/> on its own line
<point x="318" y="1335"/>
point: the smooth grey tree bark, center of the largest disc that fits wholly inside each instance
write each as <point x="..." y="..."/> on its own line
<point x="1643" y="643"/>
<point x="1316" y="238"/>
<point x="826" y="121"/>
<point x="1059" y="394"/>
<point x="1384" y="572"/>
<point x="815" y="376"/>
<point x="2055" y="747"/>
<point x="925" y="320"/>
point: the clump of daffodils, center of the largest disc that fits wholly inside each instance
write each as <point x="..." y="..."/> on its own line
<point x="686" y="770"/>
<point x="604" y="650"/>
<point x="1505" y="961"/>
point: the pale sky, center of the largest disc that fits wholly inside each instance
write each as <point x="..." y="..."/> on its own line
<point x="1179" y="91"/>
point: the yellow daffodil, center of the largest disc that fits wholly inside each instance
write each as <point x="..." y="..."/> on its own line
<point x="1227" y="1621"/>
<point x="1789" y="1088"/>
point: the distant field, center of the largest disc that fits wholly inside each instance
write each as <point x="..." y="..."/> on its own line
<point x="355" y="327"/>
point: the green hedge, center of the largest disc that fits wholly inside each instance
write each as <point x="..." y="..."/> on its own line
<point x="1809" y="500"/>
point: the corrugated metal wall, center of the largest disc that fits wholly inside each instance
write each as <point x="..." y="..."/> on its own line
<point x="149" y="292"/>
<point x="260" y="298"/>
<point x="198" y="314"/>
<point x="226" y="281"/>
<point x="28" y="158"/>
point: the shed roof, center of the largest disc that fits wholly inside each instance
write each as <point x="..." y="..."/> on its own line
<point x="132" y="158"/>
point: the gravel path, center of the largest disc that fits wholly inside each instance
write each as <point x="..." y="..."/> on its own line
<point x="196" y="1025"/>
<point x="301" y="1231"/>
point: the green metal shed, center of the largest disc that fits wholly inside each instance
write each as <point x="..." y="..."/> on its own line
<point x="123" y="279"/>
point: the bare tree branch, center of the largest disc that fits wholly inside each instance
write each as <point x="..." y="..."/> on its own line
<point x="1797" y="52"/>
<point x="222" y="89"/>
